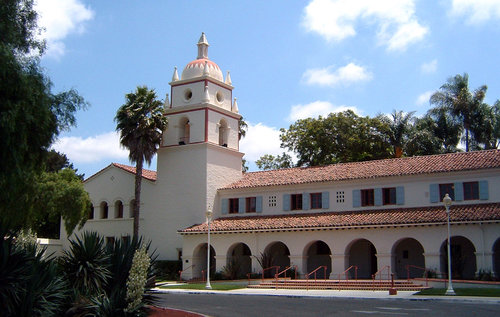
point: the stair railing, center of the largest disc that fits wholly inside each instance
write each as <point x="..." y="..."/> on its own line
<point x="182" y="271"/>
<point x="345" y="273"/>
<point x="314" y="272"/>
<point x="380" y="273"/>
<point x="277" y="267"/>
<point x="284" y="273"/>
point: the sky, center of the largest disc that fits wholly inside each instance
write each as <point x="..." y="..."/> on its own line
<point x="288" y="60"/>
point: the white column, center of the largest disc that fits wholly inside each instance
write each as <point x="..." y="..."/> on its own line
<point x="298" y="260"/>
<point x="383" y="260"/>
<point x="220" y="262"/>
<point x="484" y="262"/>
<point x="338" y="264"/>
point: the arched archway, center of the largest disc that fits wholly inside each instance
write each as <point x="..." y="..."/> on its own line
<point x="496" y="258"/>
<point x="463" y="258"/>
<point x="118" y="209"/>
<point x="184" y="131"/>
<point x="362" y="253"/>
<point x="408" y="252"/>
<point x="278" y="254"/>
<point x="103" y="210"/>
<point x="239" y="257"/>
<point x="223" y="131"/>
<point x="319" y="254"/>
<point x="200" y="261"/>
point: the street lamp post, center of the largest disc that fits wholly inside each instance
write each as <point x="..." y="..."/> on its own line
<point x="447" y="203"/>
<point x="208" y="214"/>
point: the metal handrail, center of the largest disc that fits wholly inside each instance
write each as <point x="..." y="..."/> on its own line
<point x="182" y="271"/>
<point x="388" y="267"/>
<point x="355" y="267"/>
<point x="315" y="271"/>
<point x="284" y="272"/>
<point x="277" y="267"/>
<point x="426" y="272"/>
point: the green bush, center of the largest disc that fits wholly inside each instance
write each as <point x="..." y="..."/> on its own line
<point x="167" y="270"/>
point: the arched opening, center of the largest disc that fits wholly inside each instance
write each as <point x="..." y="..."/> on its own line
<point x="276" y="254"/>
<point x="200" y="261"/>
<point x="463" y="258"/>
<point x="319" y="254"/>
<point x="104" y="210"/>
<point x="118" y="209"/>
<point x="91" y="212"/>
<point x="362" y="253"/>
<point x="184" y="131"/>
<point x="223" y="132"/>
<point x="239" y="261"/>
<point x="131" y="208"/>
<point x="496" y="258"/>
<point x="408" y="258"/>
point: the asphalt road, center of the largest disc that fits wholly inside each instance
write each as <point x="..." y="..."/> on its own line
<point x="221" y="305"/>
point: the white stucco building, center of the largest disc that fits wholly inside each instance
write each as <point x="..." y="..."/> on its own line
<point x="374" y="215"/>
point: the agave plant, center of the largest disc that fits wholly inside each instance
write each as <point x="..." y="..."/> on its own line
<point x="86" y="265"/>
<point x="30" y="283"/>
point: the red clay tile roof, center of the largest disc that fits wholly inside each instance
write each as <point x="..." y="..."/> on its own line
<point x="372" y="169"/>
<point x="147" y="174"/>
<point x="353" y="219"/>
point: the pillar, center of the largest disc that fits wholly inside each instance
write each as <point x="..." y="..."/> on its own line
<point x="339" y="261"/>
<point x="298" y="261"/>
<point x="383" y="260"/>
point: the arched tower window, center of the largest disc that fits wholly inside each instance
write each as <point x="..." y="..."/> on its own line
<point x="184" y="131"/>
<point x="223" y="132"/>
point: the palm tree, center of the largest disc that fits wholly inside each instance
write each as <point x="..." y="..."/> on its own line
<point x="141" y="123"/>
<point x="455" y="96"/>
<point x="399" y="126"/>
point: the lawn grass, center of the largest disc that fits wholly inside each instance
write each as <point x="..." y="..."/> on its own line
<point x="485" y="292"/>
<point x="201" y="286"/>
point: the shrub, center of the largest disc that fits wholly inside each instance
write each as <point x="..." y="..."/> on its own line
<point x="167" y="270"/>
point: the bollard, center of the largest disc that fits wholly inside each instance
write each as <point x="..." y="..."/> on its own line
<point x="392" y="290"/>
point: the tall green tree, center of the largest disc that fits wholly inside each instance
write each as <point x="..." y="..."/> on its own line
<point x="485" y="127"/>
<point x="271" y="162"/>
<point x="399" y="127"/>
<point x="337" y="138"/>
<point x="31" y="115"/>
<point x="463" y="104"/>
<point x="140" y="122"/>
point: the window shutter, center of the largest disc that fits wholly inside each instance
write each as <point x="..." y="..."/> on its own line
<point x="459" y="191"/>
<point x="400" y="195"/>
<point x="305" y="201"/>
<point x="356" y="198"/>
<point x="377" y="193"/>
<point x="286" y="202"/>
<point x="483" y="190"/>
<point x="241" y="205"/>
<point x="224" y="206"/>
<point x="325" y="200"/>
<point x="434" y="193"/>
<point x="258" y="204"/>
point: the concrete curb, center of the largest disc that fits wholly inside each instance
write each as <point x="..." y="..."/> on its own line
<point x="402" y="295"/>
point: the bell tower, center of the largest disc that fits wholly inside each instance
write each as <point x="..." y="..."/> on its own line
<point x="200" y="147"/>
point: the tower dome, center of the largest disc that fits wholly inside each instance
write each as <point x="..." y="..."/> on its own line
<point x="202" y="66"/>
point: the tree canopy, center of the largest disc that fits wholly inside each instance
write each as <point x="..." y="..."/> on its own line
<point x="31" y="115"/>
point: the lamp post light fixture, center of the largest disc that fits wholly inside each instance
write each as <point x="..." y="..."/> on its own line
<point x="447" y="203"/>
<point x="208" y="214"/>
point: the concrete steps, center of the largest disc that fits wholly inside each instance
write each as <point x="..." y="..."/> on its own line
<point x="401" y="285"/>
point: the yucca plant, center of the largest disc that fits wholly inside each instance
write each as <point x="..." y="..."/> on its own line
<point x="86" y="265"/>
<point x="30" y="283"/>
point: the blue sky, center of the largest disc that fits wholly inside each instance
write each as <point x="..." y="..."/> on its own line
<point x="288" y="59"/>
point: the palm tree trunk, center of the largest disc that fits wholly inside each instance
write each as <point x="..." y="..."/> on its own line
<point x="466" y="126"/>
<point x="138" y="180"/>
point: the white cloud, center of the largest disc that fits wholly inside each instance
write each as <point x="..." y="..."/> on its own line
<point x="331" y="77"/>
<point x="429" y="67"/>
<point x="476" y="11"/>
<point x="423" y="98"/>
<point x="91" y="149"/>
<point x="336" y="20"/>
<point x="259" y="140"/>
<point x="61" y="18"/>
<point x="315" y="109"/>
